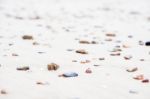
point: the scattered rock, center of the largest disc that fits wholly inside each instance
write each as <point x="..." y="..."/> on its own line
<point x="96" y="65"/>
<point x="142" y="59"/>
<point x="108" y="39"/>
<point x="116" y="50"/>
<point x="41" y="52"/>
<point x="52" y="66"/>
<point x="115" y="54"/>
<point x="133" y="92"/>
<point x="74" y="61"/>
<point x="69" y="74"/>
<point x="87" y="42"/>
<point x="145" y="81"/>
<point x="35" y="43"/>
<point x="3" y="91"/>
<point x="81" y="51"/>
<point x="19" y="17"/>
<point x="110" y="34"/>
<point x="125" y="46"/>
<point x="88" y="71"/>
<point x="128" y="57"/>
<point x="132" y="69"/>
<point x="41" y="83"/>
<point x="27" y="37"/>
<point x="24" y="68"/>
<point x="35" y="18"/>
<point x="94" y="42"/>
<point x="14" y="54"/>
<point x="70" y="50"/>
<point x="101" y="58"/>
<point x="147" y="43"/>
<point x="84" y="42"/>
<point x="139" y="77"/>
<point x="86" y="61"/>
<point x="141" y="43"/>
<point x="130" y="36"/>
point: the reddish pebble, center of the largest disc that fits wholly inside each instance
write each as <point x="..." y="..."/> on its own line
<point x="88" y="71"/>
<point x="145" y="81"/>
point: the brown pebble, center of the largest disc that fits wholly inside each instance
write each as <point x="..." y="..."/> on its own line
<point x="145" y="81"/>
<point x="94" y="42"/>
<point x="115" y="54"/>
<point x="128" y="57"/>
<point x="88" y="71"/>
<point x="3" y="92"/>
<point x="52" y="66"/>
<point x="139" y="77"/>
<point x="27" y="37"/>
<point x="25" y="68"/>
<point x="41" y="83"/>
<point x="84" y="42"/>
<point x="81" y="51"/>
<point x="132" y="69"/>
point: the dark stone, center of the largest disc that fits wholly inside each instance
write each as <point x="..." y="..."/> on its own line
<point x="147" y="43"/>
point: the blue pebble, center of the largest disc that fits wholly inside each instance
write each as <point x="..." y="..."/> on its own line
<point x="70" y="74"/>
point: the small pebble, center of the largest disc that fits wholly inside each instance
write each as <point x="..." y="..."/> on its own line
<point x="14" y="54"/>
<point x="35" y="43"/>
<point x="81" y="51"/>
<point x="52" y="66"/>
<point x="147" y="43"/>
<point x="69" y="74"/>
<point x="88" y="71"/>
<point x="84" y="42"/>
<point x="133" y="92"/>
<point x="141" y="43"/>
<point x="102" y="58"/>
<point x="115" y="54"/>
<point x="128" y="57"/>
<point x="132" y="69"/>
<point x="41" y="83"/>
<point x="27" y="37"/>
<point x="145" y="81"/>
<point x="86" y="61"/>
<point x="25" y="68"/>
<point x="110" y="34"/>
<point x="125" y="46"/>
<point x="96" y="65"/>
<point x="139" y="77"/>
<point x="3" y="92"/>
<point x="74" y="61"/>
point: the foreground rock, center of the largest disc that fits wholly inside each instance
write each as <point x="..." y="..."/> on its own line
<point x="52" y="66"/>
